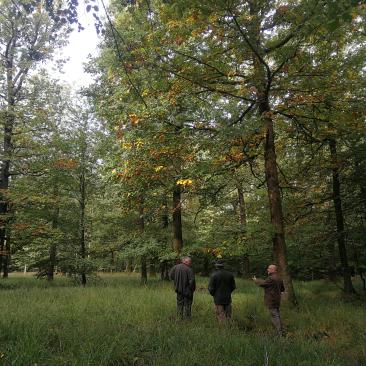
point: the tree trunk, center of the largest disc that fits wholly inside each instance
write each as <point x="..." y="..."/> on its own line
<point x="152" y="268"/>
<point x="82" y="225"/>
<point x="242" y="210"/>
<point x="245" y="266"/>
<point x="177" y="220"/>
<point x="129" y="266"/>
<point x="164" y="271"/>
<point x="262" y="80"/>
<point x="332" y="263"/>
<point x="4" y="183"/>
<point x="275" y="205"/>
<point x="113" y="260"/>
<point x="205" y="266"/>
<point x="341" y="235"/>
<point x="53" y="247"/>
<point x="142" y="229"/>
<point x="143" y="270"/>
<point x="6" y="260"/>
<point x="164" y="265"/>
<point x="245" y="263"/>
<point x="2" y="252"/>
<point x="52" y="262"/>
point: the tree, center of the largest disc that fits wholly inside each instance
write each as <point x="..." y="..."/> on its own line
<point x="27" y="37"/>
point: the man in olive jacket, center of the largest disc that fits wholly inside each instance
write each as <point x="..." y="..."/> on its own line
<point x="273" y="286"/>
<point x="184" y="284"/>
<point x="221" y="285"/>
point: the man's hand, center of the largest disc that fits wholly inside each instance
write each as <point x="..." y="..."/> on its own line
<point x="254" y="278"/>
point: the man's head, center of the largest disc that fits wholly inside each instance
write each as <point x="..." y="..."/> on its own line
<point x="219" y="263"/>
<point x="187" y="261"/>
<point x="272" y="268"/>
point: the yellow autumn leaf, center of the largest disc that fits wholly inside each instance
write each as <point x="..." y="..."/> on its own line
<point x="159" y="168"/>
<point x="184" y="182"/>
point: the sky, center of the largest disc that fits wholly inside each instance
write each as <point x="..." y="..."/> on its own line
<point x="81" y="44"/>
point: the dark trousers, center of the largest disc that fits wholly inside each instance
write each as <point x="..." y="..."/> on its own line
<point x="184" y="305"/>
<point x="223" y="312"/>
<point x="276" y="320"/>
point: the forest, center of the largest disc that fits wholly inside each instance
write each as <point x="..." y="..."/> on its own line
<point x="213" y="129"/>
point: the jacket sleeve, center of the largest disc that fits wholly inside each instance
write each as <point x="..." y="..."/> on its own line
<point x="211" y="286"/>
<point x="263" y="283"/>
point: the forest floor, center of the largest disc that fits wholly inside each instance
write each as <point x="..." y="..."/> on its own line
<point x="116" y="321"/>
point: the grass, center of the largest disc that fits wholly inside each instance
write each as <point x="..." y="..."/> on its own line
<point x="115" y="321"/>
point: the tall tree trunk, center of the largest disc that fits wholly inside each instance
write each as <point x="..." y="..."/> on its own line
<point x="9" y="122"/>
<point x="164" y="265"/>
<point x="262" y="80"/>
<point x="242" y="210"/>
<point x="245" y="263"/>
<point x="275" y="205"/>
<point x="53" y="247"/>
<point x="341" y="235"/>
<point x="82" y="225"/>
<point x="52" y="262"/>
<point x="142" y="229"/>
<point x="129" y="266"/>
<point x="113" y="260"/>
<point x="2" y="252"/>
<point x="332" y="263"/>
<point x="205" y="266"/>
<point x="177" y="220"/>
<point x="6" y="260"/>
<point x="152" y="267"/>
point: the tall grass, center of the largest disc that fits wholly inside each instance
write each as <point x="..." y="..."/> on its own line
<point x="115" y="321"/>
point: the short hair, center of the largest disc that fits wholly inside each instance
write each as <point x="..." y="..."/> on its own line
<point x="186" y="258"/>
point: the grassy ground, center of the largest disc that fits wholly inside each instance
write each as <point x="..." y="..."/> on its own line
<point x="115" y="321"/>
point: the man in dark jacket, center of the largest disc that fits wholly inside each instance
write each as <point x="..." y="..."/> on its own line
<point x="221" y="285"/>
<point x="184" y="284"/>
<point x="273" y="286"/>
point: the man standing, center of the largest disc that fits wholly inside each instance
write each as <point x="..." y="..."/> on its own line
<point x="221" y="285"/>
<point x="184" y="283"/>
<point x="273" y="286"/>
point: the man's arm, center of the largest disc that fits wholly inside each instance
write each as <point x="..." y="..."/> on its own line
<point x="211" y="285"/>
<point x="262" y="283"/>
